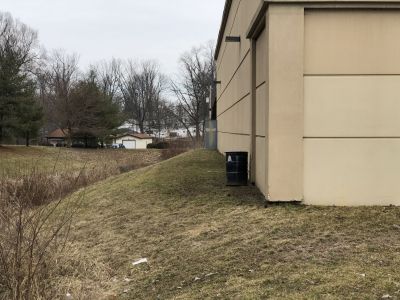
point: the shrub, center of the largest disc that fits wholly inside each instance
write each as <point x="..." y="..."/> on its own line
<point x="159" y="145"/>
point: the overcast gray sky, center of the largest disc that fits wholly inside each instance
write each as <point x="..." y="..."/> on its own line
<point x="138" y="29"/>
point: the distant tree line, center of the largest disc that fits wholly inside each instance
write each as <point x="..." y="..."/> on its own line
<point x="46" y="90"/>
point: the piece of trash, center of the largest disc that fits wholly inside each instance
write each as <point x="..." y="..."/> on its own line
<point x="179" y="287"/>
<point x="68" y="296"/>
<point x="197" y="279"/>
<point x="127" y="280"/>
<point x="362" y="275"/>
<point x="251" y="271"/>
<point x="211" y="274"/>
<point x="126" y="291"/>
<point x="140" y="261"/>
<point x="386" y="296"/>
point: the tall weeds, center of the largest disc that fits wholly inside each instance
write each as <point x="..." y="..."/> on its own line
<point x="35" y="220"/>
<point x="36" y="216"/>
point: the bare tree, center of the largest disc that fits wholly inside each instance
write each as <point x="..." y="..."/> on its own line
<point x="109" y="76"/>
<point x="163" y="117"/>
<point x="57" y="79"/>
<point x="192" y="88"/>
<point x="18" y="40"/>
<point x="142" y="86"/>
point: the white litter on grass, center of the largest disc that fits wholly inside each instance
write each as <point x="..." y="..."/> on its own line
<point x="197" y="279"/>
<point x="127" y="280"/>
<point x="68" y="296"/>
<point x="386" y="297"/>
<point x="140" y="261"/>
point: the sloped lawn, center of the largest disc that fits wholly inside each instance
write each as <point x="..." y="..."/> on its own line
<point x="205" y="240"/>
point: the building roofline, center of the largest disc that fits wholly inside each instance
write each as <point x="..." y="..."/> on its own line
<point x="135" y="135"/>
<point x="258" y="17"/>
<point x="371" y="4"/>
<point x="227" y="8"/>
<point x="310" y="3"/>
<point x="333" y="1"/>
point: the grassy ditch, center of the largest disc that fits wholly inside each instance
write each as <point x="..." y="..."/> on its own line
<point x="35" y="216"/>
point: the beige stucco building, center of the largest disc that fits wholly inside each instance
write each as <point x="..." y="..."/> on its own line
<point x="312" y="92"/>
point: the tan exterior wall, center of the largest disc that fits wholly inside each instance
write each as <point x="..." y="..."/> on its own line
<point x="352" y="42"/>
<point x="285" y="115"/>
<point x="284" y="138"/>
<point x="323" y="109"/>
<point x="241" y="115"/>
<point x="261" y="179"/>
<point x="233" y="142"/>
<point x="234" y="72"/>
<point x="260" y="112"/>
<point x="352" y="172"/>
<point x="351" y="104"/>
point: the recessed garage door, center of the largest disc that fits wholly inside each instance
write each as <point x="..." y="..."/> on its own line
<point x="352" y="107"/>
<point x="260" y="115"/>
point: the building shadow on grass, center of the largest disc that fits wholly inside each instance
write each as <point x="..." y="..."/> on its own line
<point x="245" y="196"/>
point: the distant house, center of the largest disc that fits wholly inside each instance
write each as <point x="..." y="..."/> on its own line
<point x="60" y="138"/>
<point x="133" y="140"/>
<point x="57" y="138"/>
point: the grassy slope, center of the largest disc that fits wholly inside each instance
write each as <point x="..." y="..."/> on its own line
<point x="15" y="160"/>
<point x="181" y="216"/>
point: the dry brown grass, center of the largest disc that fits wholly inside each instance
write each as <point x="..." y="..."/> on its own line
<point x="67" y="170"/>
<point x="15" y="161"/>
<point x="205" y="240"/>
<point x="33" y="229"/>
<point x="34" y="221"/>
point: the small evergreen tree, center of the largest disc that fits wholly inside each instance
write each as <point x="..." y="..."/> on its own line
<point x="94" y="113"/>
<point x="30" y="119"/>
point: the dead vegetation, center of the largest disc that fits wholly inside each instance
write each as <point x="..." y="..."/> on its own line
<point x="205" y="240"/>
<point x="35" y="217"/>
<point x="15" y="161"/>
<point x="34" y="228"/>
